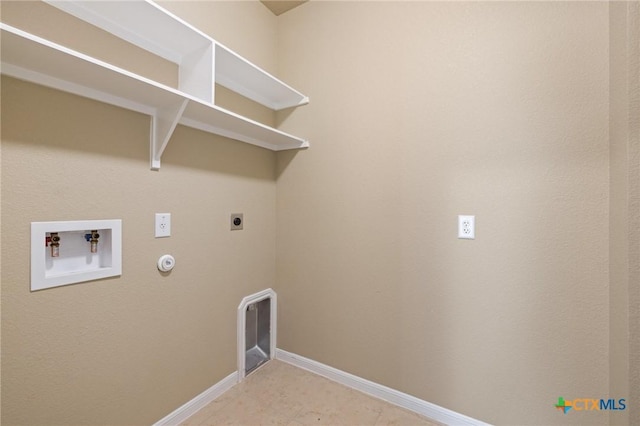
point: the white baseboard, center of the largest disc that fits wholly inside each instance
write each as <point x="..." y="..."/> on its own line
<point x="376" y="390"/>
<point x="191" y="407"/>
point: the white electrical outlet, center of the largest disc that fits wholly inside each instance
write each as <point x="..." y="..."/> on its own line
<point x="467" y="227"/>
<point x="163" y="225"/>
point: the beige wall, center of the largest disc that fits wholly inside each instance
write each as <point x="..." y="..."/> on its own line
<point x="625" y="205"/>
<point x="128" y="350"/>
<point x="48" y="22"/>
<point x="619" y="186"/>
<point x="421" y="111"/>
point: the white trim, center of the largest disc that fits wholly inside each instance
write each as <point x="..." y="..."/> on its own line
<point x="242" y="320"/>
<point x="73" y="268"/>
<point x="191" y="407"/>
<point x="376" y="390"/>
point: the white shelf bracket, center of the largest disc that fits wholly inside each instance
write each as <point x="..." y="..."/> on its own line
<point x="202" y="63"/>
<point x="163" y="123"/>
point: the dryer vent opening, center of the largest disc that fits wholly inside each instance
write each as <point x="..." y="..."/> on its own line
<point x="257" y="334"/>
<point x="257" y="318"/>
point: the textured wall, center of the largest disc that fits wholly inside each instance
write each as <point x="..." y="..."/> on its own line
<point x="625" y="207"/>
<point x="619" y="216"/>
<point x="48" y="22"/>
<point x="422" y="111"/>
<point x="633" y="207"/>
<point x="127" y="350"/>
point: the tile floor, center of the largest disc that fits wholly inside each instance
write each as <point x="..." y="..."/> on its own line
<point x="281" y="394"/>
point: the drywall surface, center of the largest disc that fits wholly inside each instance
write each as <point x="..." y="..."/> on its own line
<point x="228" y="21"/>
<point x="225" y="21"/>
<point x="44" y="20"/>
<point x="633" y="207"/>
<point x="422" y="111"/>
<point x="131" y="349"/>
<point x="624" y="207"/>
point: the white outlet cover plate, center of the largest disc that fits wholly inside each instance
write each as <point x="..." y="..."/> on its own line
<point x="467" y="227"/>
<point x="163" y="225"/>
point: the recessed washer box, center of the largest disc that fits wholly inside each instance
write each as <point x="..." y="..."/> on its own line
<point x="75" y="260"/>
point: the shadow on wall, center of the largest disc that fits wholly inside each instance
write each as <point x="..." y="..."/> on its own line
<point x="284" y="158"/>
<point x="36" y="115"/>
<point x="63" y="121"/>
<point x="194" y="149"/>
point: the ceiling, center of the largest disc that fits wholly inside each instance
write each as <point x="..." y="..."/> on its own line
<point x="278" y="7"/>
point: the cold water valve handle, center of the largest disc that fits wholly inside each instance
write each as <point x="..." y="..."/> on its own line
<point x="93" y="239"/>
